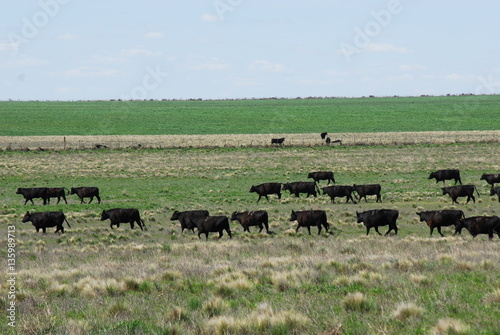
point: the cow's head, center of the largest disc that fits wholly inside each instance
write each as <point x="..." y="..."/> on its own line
<point x="293" y="217"/>
<point x="72" y="191"/>
<point x="175" y="216"/>
<point x="483" y="177"/>
<point x="253" y="189"/>
<point x="19" y="191"/>
<point x="235" y="216"/>
<point x="104" y="216"/>
<point x="359" y="217"/>
<point x="286" y="186"/>
<point x="432" y="175"/>
<point x="310" y="175"/>
<point x="27" y="217"/>
<point x="446" y="190"/>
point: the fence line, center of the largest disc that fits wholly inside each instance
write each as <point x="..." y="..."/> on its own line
<point x="244" y="140"/>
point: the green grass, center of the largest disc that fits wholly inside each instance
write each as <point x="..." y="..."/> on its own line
<point x="94" y="280"/>
<point x="249" y="116"/>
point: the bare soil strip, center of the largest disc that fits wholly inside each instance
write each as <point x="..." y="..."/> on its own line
<point x="239" y="140"/>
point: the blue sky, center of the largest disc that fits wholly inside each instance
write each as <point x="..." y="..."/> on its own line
<point x="217" y="49"/>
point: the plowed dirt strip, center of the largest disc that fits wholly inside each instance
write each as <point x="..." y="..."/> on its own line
<point x="236" y="140"/>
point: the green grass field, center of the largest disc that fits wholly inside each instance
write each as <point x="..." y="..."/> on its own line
<point x="94" y="280"/>
<point x="250" y="116"/>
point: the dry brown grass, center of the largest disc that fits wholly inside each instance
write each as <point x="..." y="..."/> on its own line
<point x="238" y="140"/>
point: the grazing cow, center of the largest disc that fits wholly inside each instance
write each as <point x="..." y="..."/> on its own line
<point x="43" y="220"/>
<point x="442" y="218"/>
<point x="460" y="191"/>
<point x="86" y="192"/>
<point x="339" y="191"/>
<point x="32" y="193"/>
<point x="252" y="218"/>
<point x="379" y="217"/>
<point x="364" y="190"/>
<point x="123" y="215"/>
<point x="213" y="224"/>
<point x="491" y="178"/>
<point x="328" y="140"/>
<point x="310" y="218"/>
<point x="323" y="135"/>
<point x="442" y="175"/>
<point x="480" y="225"/>
<point x="496" y="191"/>
<point x="189" y="219"/>
<point x="278" y="141"/>
<point x="267" y="188"/>
<point x="57" y="192"/>
<point x="322" y="175"/>
<point x="298" y="187"/>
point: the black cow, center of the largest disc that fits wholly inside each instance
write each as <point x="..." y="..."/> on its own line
<point x="491" y="178"/>
<point x="57" y="192"/>
<point x="379" y="217"/>
<point x="43" y="220"/>
<point x="278" y="141"/>
<point x="441" y="218"/>
<point x="123" y="215"/>
<point x="323" y="135"/>
<point x="322" y="175"/>
<point x="189" y="219"/>
<point x="339" y="191"/>
<point x="310" y="218"/>
<point x="460" y="191"/>
<point x="480" y="225"/>
<point x="496" y="191"/>
<point x="213" y="224"/>
<point x="32" y="193"/>
<point x="86" y="192"/>
<point x="364" y="190"/>
<point x="267" y="188"/>
<point x="442" y="175"/>
<point x="298" y="187"/>
<point x="252" y="218"/>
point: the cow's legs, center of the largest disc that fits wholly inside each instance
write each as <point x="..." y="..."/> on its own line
<point x="98" y="199"/>
<point x="229" y="232"/>
<point x="439" y="231"/>
<point x="376" y="229"/>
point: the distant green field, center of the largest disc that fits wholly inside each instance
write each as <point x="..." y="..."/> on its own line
<point x="250" y="116"/>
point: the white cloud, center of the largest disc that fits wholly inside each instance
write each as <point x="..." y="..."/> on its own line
<point x="107" y="60"/>
<point x="213" y="65"/>
<point x="7" y="46"/>
<point x="454" y="77"/>
<point x="140" y="52"/>
<point x="69" y="37"/>
<point x="153" y="35"/>
<point x="385" y="47"/>
<point x="84" y="72"/>
<point x="209" y="18"/>
<point x="265" y="66"/>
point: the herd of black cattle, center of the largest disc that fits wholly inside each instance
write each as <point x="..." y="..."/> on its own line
<point x="204" y="223"/>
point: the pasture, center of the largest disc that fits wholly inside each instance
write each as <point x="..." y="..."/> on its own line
<point x="94" y="280"/>
<point x="335" y="115"/>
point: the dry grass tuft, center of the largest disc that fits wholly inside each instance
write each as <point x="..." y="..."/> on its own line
<point x="408" y="310"/>
<point x="493" y="297"/>
<point x="356" y="301"/>
<point x="215" y="306"/>
<point x="450" y="326"/>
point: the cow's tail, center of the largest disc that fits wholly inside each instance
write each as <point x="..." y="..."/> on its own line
<point x="66" y="221"/>
<point x="66" y="190"/>
<point x="144" y="224"/>
<point x="476" y="191"/>
<point x="317" y="187"/>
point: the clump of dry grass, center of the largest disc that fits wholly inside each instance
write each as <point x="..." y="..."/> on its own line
<point x="261" y="321"/>
<point x="215" y="306"/>
<point x="493" y="297"/>
<point x="408" y="310"/>
<point x="356" y="301"/>
<point x="450" y="326"/>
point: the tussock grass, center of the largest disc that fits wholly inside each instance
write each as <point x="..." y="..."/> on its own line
<point x="406" y="311"/>
<point x="449" y="326"/>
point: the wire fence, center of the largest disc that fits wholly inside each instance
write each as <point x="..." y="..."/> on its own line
<point x="57" y="143"/>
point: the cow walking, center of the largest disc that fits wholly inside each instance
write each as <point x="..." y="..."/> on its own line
<point x="309" y="187"/>
<point x="123" y="215"/>
<point x="491" y="178"/>
<point x="263" y="190"/>
<point x="278" y="141"/>
<point x="57" y="192"/>
<point x="364" y="190"/>
<point x="322" y="175"/>
<point x="461" y="191"/>
<point x="86" y="192"/>
<point x="252" y="218"/>
<point x="33" y="193"/>
<point x="339" y="191"/>
<point x="441" y="218"/>
<point x="310" y="218"/>
<point x="442" y="175"/>
<point x="44" y="220"/>
<point x="214" y="224"/>
<point x="379" y="217"/>
<point x="496" y="191"/>
<point x="189" y="219"/>
<point x="480" y="225"/>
